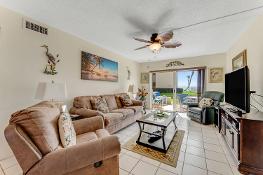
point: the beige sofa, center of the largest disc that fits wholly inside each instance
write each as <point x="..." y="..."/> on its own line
<point x="119" y="115"/>
<point x="34" y="139"/>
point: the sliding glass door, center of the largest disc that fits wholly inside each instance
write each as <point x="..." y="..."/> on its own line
<point x="162" y="88"/>
<point x="186" y="89"/>
<point x="175" y="90"/>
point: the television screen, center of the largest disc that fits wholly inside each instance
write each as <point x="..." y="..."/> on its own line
<point x="237" y="90"/>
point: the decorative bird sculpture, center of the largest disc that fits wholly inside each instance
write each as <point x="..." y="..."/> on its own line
<point x="52" y="62"/>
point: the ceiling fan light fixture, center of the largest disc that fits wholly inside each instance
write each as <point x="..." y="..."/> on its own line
<point x="155" y="47"/>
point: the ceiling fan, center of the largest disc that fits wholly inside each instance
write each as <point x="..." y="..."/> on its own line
<point x="157" y="41"/>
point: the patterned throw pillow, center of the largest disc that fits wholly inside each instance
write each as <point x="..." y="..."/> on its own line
<point x="101" y="105"/>
<point x="205" y="102"/>
<point x="126" y="101"/>
<point x="66" y="130"/>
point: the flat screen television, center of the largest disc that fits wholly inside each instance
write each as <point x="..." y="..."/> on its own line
<point x="237" y="89"/>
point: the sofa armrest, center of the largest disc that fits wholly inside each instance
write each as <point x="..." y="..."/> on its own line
<point x="88" y="113"/>
<point x="137" y="103"/>
<point x="88" y="124"/>
<point x="66" y="160"/>
<point x="83" y="112"/>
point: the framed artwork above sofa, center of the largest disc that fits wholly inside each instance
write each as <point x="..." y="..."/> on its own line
<point x="94" y="67"/>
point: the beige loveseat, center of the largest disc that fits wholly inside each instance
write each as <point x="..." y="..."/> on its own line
<point x="34" y="139"/>
<point x="119" y="116"/>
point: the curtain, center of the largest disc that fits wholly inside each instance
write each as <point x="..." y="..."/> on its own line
<point x="200" y="83"/>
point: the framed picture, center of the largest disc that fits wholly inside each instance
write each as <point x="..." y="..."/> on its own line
<point x="94" y="67"/>
<point x="216" y="75"/>
<point x="144" y="78"/>
<point x="239" y="61"/>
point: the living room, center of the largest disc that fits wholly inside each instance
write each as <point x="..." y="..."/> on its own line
<point x="46" y="44"/>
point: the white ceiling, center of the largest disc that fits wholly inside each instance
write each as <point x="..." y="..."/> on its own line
<point x="111" y="24"/>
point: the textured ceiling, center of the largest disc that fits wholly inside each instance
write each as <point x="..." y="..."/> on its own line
<point x="112" y="24"/>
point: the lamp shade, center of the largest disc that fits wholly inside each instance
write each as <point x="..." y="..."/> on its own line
<point x="130" y="88"/>
<point x="51" y="91"/>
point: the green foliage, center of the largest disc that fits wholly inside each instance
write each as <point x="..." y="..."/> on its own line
<point x="170" y="94"/>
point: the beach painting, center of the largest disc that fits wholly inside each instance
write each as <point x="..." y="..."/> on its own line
<point x="94" y="67"/>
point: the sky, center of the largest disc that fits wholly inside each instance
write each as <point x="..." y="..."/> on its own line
<point x="110" y="65"/>
<point x="183" y="81"/>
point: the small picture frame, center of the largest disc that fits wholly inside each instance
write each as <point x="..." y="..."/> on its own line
<point x="240" y="60"/>
<point x="144" y="78"/>
<point x="216" y="75"/>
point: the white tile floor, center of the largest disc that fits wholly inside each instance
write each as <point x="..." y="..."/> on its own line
<point x="203" y="152"/>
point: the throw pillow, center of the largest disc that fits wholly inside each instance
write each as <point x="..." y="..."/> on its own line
<point x="101" y="105"/>
<point x="118" y="101"/>
<point x="205" y="102"/>
<point x="126" y="101"/>
<point x="66" y="130"/>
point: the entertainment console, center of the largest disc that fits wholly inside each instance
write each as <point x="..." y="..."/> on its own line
<point x="244" y="136"/>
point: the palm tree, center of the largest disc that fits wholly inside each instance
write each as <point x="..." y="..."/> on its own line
<point x="189" y="80"/>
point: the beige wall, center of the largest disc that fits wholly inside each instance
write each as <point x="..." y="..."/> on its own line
<point x="23" y="61"/>
<point x="252" y="40"/>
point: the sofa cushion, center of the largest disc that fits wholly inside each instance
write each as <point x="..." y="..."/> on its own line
<point x="113" y="118"/>
<point x="126" y="100"/>
<point x="124" y="111"/>
<point x="101" y="105"/>
<point x="82" y="102"/>
<point x="111" y="101"/>
<point x="92" y="102"/>
<point x="66" y="130"/>
<point x="136" y="109"/>
<point x="40" y="123"/>
<point x="118" y="100"/>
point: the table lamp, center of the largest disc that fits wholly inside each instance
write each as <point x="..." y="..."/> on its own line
<point x="55" y="92"/>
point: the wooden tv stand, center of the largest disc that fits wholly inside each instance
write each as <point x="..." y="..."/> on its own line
<point x="244" y="136"/>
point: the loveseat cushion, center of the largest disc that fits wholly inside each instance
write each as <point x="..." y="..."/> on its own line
<point x="111" y="101"/>
<point x="40" y="123"/>
<point x="136" y="109"/>
<point x="124" y="111"/>
<point x="86" y="137"/>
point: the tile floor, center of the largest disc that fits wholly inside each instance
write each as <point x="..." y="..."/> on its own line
<point x="203" y="152"/>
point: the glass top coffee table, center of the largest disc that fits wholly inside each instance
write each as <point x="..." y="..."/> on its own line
<point x="155" y="130"/>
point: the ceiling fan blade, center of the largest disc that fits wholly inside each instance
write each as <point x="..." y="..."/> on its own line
<point x="142" y="40"/>
<point x="166" y="36"/>
<point x="142" y="47"/>
<point x="140" y="24"/>
<point x="171" y="45"/>
<point x="163" y="18"/>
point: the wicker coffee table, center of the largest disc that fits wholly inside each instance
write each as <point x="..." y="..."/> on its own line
<point x="152" y="125"/>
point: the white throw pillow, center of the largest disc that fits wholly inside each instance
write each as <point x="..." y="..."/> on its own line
<point x="205" y="102"/>
<point x="66" y="130"/>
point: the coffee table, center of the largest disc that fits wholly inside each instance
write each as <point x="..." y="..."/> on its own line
<point x="150" y="123"/>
